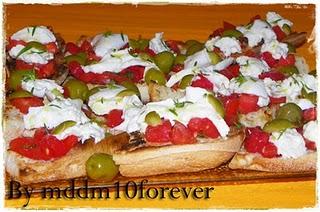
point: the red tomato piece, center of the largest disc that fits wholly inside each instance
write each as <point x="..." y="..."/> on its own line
<point x="255" y="139"/>
<point x="52" y="47"/>
<point x="86" y="46"/>
<point x="257" y="17"/>
<point x="231" y="105"/>
<point x="202" y="83"/>
<point x="13" y="43"/>
<point x="248" y="103"/>
<point x="178" y="67"/>
<point x="203" y="126"/>
<point x="274" y="75"/>
<point x="23" y="104"/>
<point x="21" y="65"/>
<point x="72" y="48"/>
<point x="231" y="71"/>
<point x="310" y="145"/>
<point x="174" y="45"/>
<point x="227" y="26"/>
<point x="160" y="134"/>
<point x="217" y="32"/>
<point x="134" y="73"/>
<point x="289" y="61"/>
<point x="269" y="150"/>
<point x="27" y="147"/>
<point x="280" y="34"/>
<point x="181" y="134"/>
<point x="267" y="57"/>
<point x="114" y="118"/>
<point x="309" y="114"/>
<point x="46" y="70"/>
<point x="279" y="100"/>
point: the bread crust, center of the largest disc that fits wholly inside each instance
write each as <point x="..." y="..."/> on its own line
<point x="178" y="158"/>
<point x="251" y="161"/>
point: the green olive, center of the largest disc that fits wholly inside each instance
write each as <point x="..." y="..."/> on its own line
<point x="131" y="86"/>
<point x="180" y="58"/>
<point x="145" y="56"/>
<point x="36" y="45"/>
<point x="81" y="58"/>
<point x="126" y="92"/>
<point x="289" y="70"/>
<point x="134" y="44"/>
<point x="189" y="43"/>
<point x="291" y="48"/>
<point x="77" y="89"/>
<point x="312" y="96"/>
<point x="17" y="76"/>
<point x="194" y="48"/>
<point x="286" y="29"/>
<point x="232" y="33"/>
<point x="277" y="125"/>
<point x="290" y="112"/>
<point x="186" y="81"/>
<point x="216" y="104"/>
<point x="153" y="75"/>
<point x="20" y="94"/>
<point x="164" y="60"/>
<point x="214" y="57"/>
<point x="101" y="166"/>
<point x="63" y="126"/>
<point x="152" y="118"/>
<point x="143" y="43"/>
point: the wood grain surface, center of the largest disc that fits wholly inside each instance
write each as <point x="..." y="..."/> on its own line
<point x="180" y="22"/>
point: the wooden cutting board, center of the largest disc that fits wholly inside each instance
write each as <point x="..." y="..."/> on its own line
<point x="178" y="22"/>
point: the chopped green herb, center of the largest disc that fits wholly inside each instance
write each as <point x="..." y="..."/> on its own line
<point x="195" y="63"/>
<point x="122" y="37"/>
<point x="26" y="48"/>
<point x="32" y="89"/>
<point x="173" y="110"/>
<point x="102" y="100"/>
<point x="57" y="106"/>
<point x="33" y="30"/>
<point x="181" y="104"/>
<point x="108" y="33"/>
<point x="241" y="79"/>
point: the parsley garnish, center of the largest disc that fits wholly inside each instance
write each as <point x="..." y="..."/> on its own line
<point x="33" y="30"/>
<point x="108" y="33"/>
<point x="181" y="104"/>
<point x="32" y="89"/>
<point x="102" y="100"/>
<point x="240" y="79"/>
<point x="26" y="48"/>
<point x="122" y="37"/>
<point x="57" y="106"/>
<point x="173" y="110"/>
<point x="195" y="63"/>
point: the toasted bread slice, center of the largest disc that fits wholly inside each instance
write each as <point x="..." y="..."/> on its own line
<point x="251" y="161"/>
<point x="206" y="154"/>
<point x="72" y="165"/>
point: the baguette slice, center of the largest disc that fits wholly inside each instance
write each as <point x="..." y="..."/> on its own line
<point x="251" y="161"/>
<point x="206" y="154"/>
<point x="71" y="165"/>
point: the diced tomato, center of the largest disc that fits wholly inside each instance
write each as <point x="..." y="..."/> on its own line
<point x="309" y="114"/>
<point x="114" y="118"/>
<point x="46" y="70"/>
<point x="134" y="73"/>
<point x="72" y="48"/>
<point x="176" y="68"/>
<point x="181" y="134"/>
<point x="280" y="34"/>
<point x="23" y="104"/>
<point x="21" y="65"/>
<point x="255" y="140"/>
<point x="202" y="83"/>
<point x="217" y="32"/>
<point x="257" y="17"/>
<point x="231" y="105"/>
<point x="269" y="150"/>
<point x="279" y="100"/>
<point x="43" y="146"/>
<point x="203" y="126"/>
<point x="150" y="52"/>
<point x="160" y="134"/>
<point x="86" y="46"/>
<point x="174" y="45"/>
<point x="227" y="26"/>
<point x="288" y="61"/>
<point x="267" y="57"/>
<point x="13" y="43"/>
<point x="248" y="103"/>
<point x="310" y="145"/>
<point x="231" y="71"/>
<point x="52" y="47"/>
<point x="274" y="75"/>
<point x="101" y="79"/>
